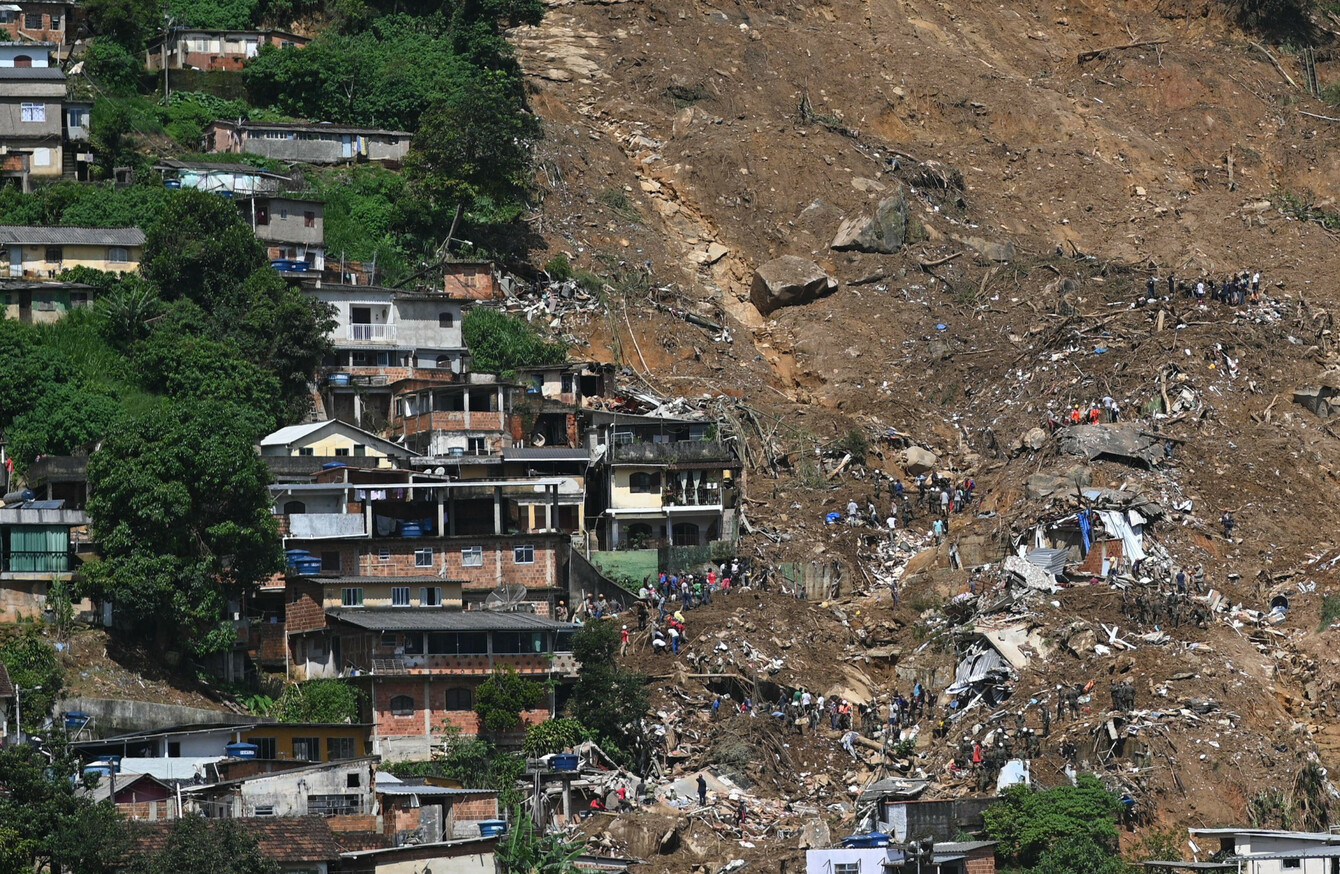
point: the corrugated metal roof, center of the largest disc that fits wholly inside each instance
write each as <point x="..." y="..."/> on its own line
<point x="425" y="791"/>
<point x="46" y="74"/>
<point x="411" y="619"/>
<point x="47" y="235"/>
<point x="545" y="454"/>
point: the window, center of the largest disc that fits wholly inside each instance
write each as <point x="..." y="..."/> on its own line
<point x="430" y="596"/>
<point x="8" y="17"/>
<point x="523" y="554"/>
<point x="27" y="60"/>
<point x="465" y="643"/>
<point x="644" y="483"/>
<point x="413" y="644"/>
<point x="118" y="254"/>
<point x="283" y="212"/>
<point x="306" y="450"/>
<point x="472" y="556"/>
<point x="567" y="383"/>
<point x="460" y="699"/>
<point x="384" y="554"/>
<point x="330" y="561"/>
<point x="388" y="640"/>
<point x="307" y="749"/>
<point x="294" y="508"/>
<point x="262" y="215"/>
<point x="340" y="748"/>
<point x="352" y="597"/>
<point x="78" y="116"/>
<point x="444" y="362"/>
<point x="266" y="747"/>
<point x="309" y="219"/>
<point x="476" y="445"/>
<point x="423" y="557"/>
<point x="55" y="22"/>
<point x="623" y="438"/>
<point x="402" y="705"/>
<point x="333" y="805"/>
<point x="846" y="868"/>
<point x="174" y="749"/>
<point x="263" y="810"/>
<point x="342" y="451"/>
<point x="55" y="254"/>
<point x="353" y="779"/>
<point x="41" y="157"/>
<point x="514" y="642"/>
<point x="360" y="450"/>
<point x="446" y="320"/>
<point x="400" y="596"/>
<point x="1291" y="863"/>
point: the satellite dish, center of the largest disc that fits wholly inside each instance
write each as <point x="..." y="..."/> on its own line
<point x="506" y="598"/>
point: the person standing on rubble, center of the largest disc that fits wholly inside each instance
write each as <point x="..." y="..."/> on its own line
<point x="702" y="791"/>
<point x="1046" y="721"/>
<point x="740" y="813"/>
<point x="944" y="502"/>
<point x="1228" y="522"/>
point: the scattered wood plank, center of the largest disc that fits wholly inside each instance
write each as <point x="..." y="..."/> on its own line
<point x="1263" y="50"/>
<point x="1314" y="115"/>
<point x="1095" y="54"/>
<point x="926" y="265"/>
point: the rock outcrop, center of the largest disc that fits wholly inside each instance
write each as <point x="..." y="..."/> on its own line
<point x="788" y="281"/>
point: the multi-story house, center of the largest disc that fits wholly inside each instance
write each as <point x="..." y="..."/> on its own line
<point x="474" y="417"/>
<point x="32" y="127"/>
<point x="665" y="482"/>
<point x="385" y="339"/>
<point x="307" y="143"/>
<point x="40" y="541"/>
<point x="40" y="21"/>
<point x="205" y="49"/>
<point x="37" y="251"/>
<point x="292" y="228"/>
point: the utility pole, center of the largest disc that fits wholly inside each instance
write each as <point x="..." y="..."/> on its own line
<point x="162" y="51"/>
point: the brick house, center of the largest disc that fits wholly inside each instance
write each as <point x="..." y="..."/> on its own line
<point x="205" y="49"/>
<point x="49" y="22"/>
<point x="140" y="797"/>
<point x="424" y="812"/>
<point x="296" y="843"/>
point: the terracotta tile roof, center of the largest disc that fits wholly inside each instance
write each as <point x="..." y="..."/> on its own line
<point x="284" y="838"/>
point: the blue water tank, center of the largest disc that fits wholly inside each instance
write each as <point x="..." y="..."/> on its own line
<point x="76" y="719"/>
<point x="338" y="379"/>
<point x="563" y="762"/>
<point x="491" y="828"/>
<point x="411" y="529"/>
<point x="293" y="556"/>
<point x="240" y="751"/>
<point x="873" y="839"/>
<point x="307" y="566"/>
<point x="172" y="183"/>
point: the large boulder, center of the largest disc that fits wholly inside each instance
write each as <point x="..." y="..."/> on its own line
<point x="787" y="281"/>
<point x="918" y="461"/>
<point x="883" y="233"/>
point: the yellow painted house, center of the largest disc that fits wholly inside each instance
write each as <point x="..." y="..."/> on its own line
<point x="332" y="439"/>
<point x="34" y="252"/>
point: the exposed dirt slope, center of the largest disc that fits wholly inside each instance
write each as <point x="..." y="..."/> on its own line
<point x="678" y="158"/>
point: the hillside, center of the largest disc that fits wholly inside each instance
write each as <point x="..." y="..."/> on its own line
<point x="678" y="158"/>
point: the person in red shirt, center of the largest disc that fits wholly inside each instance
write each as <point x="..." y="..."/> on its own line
<point x="623" y="641"/>
<point x="1094" y="415"/>
<point x="1076" y="416"/>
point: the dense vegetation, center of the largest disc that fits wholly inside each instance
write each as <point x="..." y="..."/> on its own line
<point x="1058" y="831"/>
<point x="178" y="374"/>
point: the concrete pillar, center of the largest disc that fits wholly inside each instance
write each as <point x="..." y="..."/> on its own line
<point x="467" y="409"/>
<point x="441" y="514"/>
<point x="553" y="508"/>
<point x="367" y="515"/>
<point x="497" y="510"/>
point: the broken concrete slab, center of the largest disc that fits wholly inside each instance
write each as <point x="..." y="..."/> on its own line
<point x="1030" y="574"/>
<point x="1126" y="443"/>
<point x="883" y="233"/>
<point x="788" y="281"/>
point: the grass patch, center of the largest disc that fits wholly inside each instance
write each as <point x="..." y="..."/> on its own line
<point x="1302" y="205"/>
<point x="1330" y="611"/>
<point x="617" y="200"/>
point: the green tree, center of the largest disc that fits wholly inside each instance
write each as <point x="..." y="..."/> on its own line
<point x="57" y="828"/>
<point x="607" y="699"/>
<point x="199" y="369"/>
<point x="475" y="144"/>
<point x="128" y="23"/>
<point x="525" y="849"/>
<point x="221" y="14"/>
<point x="1029" y="821"/>
<point x="199" y="248"/>
<point x="553" y="736"/>
<point x="503" y="697"/>
<point x="500" y="343"/>
<point x="28" y="370"/>
<point x="68" y="417"/>
<point x="219" y="846"/>
<point x="326" y="700"/>
<point x="1079" y="855"/>
<point x="125" y="311"/>
<point x="113" y="67"/>
<point x="31" y="661"/>
<point x="474" y="762"/>
<point x="179" y="504"/>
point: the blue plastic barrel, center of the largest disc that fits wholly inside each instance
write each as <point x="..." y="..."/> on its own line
<point x="240" y="751"/>
<point x="491" y="828"/>
<point x="411" y="529"/>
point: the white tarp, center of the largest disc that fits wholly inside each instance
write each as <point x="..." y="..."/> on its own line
<point x="1013" y="771"/>
<point x="1132" y="535"/>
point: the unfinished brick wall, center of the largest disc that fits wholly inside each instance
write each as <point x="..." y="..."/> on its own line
<point x="1102" y="549"/>
<point x="981" y="861"/>
<point x="304" y="612"/>
<point x="475" y="808"/>
<point x="364" y="558"/>
<point x="430" y="714"/>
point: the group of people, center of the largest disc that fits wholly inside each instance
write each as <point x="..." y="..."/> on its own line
<point x="1173" y="608"/>
<point x="1236" y="290"/>
<point x="1108" y="410"/>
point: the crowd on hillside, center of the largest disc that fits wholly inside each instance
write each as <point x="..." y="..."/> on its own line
<point x="1236" y="290"/>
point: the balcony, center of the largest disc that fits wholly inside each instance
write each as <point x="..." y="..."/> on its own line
<point x="371" y="333"/>
<point x="37" y="563"/>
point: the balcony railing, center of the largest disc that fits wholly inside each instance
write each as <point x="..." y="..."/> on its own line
<point x="372" y="332"/>
<point x="37" y="562"/>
